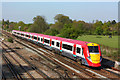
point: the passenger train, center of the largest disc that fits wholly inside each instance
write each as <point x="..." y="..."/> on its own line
<point x="85" y="52"/>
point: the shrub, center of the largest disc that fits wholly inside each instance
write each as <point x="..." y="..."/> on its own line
<point x="51" y="32"/>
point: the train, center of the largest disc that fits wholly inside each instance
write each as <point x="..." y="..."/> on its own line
<point x="86" y="53"/>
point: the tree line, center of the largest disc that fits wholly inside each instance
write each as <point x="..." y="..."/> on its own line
<point x="64" y="27"/>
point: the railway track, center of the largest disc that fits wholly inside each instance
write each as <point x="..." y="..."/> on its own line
<point x="73" y="63"/>
<point x="82" y="76"/>
<point x="99" y="70"/>
<point x="51" y="55"/>
<point x="20" y="65"/>
<point x="87" y="71"/>
<point x="3" y="76"/>
<point x="61" y="76"/>
<point x="12" y="69"/>
<point x="26" y="61"/>
<point x="55" y="61"/>
<point x="52" y="68"/>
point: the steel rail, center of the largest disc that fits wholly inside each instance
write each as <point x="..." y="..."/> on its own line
<point x="20" y="65"/>
<point x="12" y="68"/>
<point x="77" y="66"/>
<point x="33" y="66"/>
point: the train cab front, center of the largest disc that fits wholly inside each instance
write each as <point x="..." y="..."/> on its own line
<point x="95" y="56"/>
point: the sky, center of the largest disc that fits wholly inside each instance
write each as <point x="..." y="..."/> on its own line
<point x="86" y="11"/>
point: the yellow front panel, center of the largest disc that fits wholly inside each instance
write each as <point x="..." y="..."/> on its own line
<point x="92" y="44"/>
<point x="95" y="58"/>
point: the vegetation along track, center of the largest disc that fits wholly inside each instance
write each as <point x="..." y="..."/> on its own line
<point x="26" y="61"/>
<point x="82" y="67"/>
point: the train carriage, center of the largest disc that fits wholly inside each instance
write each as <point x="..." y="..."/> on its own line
<point x="85" y="52"/>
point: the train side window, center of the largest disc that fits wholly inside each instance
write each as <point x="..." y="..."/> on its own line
<point x="78" y="50"/>
<point x="18" y="33"/>
<point x="46" y="41"/>
<point x="68" y="47"/>
<point x="38" y="38"/>
<point x="41" y="39"/>
<point x="57" y="44"/>
<point x="22" y="34"/>
<point x="35" y="38"/>
<point x="52" y="42"/>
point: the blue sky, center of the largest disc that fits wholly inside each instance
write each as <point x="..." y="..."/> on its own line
<point x="86" y="11"/>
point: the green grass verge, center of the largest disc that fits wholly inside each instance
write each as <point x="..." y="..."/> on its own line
<point x="103" y="40"/>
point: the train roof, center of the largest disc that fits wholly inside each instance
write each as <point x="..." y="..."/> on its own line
<point x="83" y="43"/>
<point x="69" y="40"/>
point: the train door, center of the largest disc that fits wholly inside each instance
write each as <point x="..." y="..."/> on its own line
<point x="57" y="44"/>
<point x="53" y="43"/>
<point x="79" y="51"/>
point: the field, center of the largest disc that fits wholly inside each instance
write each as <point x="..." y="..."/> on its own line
<point x="103" y="40"/>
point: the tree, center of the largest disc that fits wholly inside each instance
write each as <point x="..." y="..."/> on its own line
<point x="106" y="29"/>
<point x="60" y="21"/>
<point x="51" y="32"/>
<point x="79" y="26"/>
<point x="69" y="32"/>
<point x="12" y="26"/>
<point x="63" y="19"/>
<point x="5" y="24"/>
<point x="95" y="25"/>
<point x="99" y="30"/>
<point x="39" y="25"/>
<point x="22" y="24"/>
<point x="113" y="22"/>
<point x="57" y="17"/>
<point x="58" y="26"/>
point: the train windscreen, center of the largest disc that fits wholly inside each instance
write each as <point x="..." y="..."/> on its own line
<point x="93" y="49"/>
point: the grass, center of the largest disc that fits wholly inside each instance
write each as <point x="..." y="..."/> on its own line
<point x="100" y="39"/>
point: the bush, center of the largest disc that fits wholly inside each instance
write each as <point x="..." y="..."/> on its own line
<point x="10" y="39"/>
<point x="52" y="32"/>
